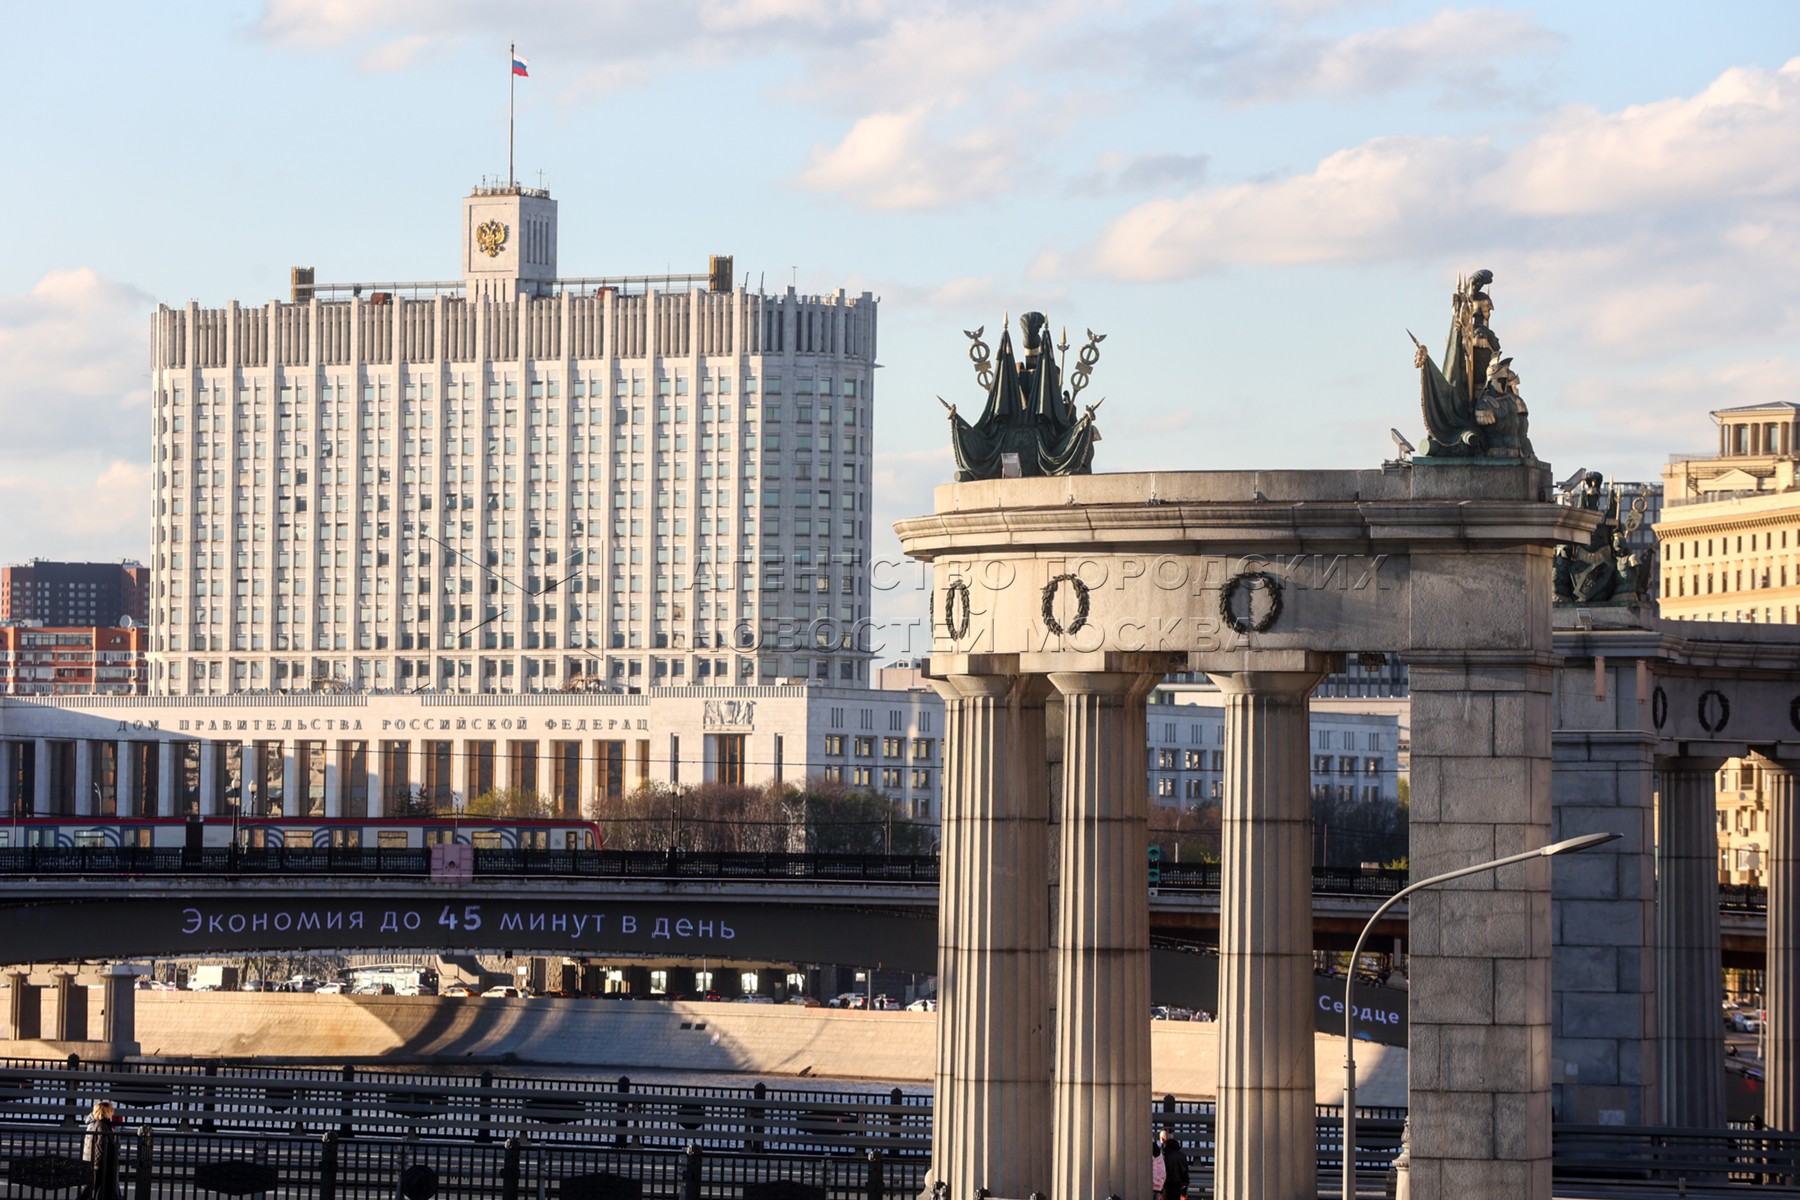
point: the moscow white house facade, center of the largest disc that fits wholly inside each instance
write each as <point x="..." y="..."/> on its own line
<point x="511" y="482"/>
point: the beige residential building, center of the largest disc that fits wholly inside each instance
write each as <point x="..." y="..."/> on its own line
<point x="1730" y="528"/>
<point x="1730" y="551"/>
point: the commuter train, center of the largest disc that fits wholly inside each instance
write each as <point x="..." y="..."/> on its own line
<point x="346" y="833"/>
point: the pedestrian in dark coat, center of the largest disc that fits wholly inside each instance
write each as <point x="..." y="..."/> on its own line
<point x="100" y="1154"/>
<point x="1175" y="1167"/>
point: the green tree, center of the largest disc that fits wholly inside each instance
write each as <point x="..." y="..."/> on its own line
<point x="509" y="802"/>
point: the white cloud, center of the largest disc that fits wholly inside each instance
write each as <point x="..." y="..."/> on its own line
<point x="74" y="364"/>
<point x="1646" y="231"/>
<point x="1115" y="172"/>
<point x="899" y="161"/>
<point x="1642" y="416"/>
<point x="1397" y="195"/>
<point x="72" y="507"/>
<point x="1736" y="141"/>
<point x="1455" y="50"/>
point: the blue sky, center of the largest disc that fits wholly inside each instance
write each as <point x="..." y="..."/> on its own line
<point x="1253" y="201"/>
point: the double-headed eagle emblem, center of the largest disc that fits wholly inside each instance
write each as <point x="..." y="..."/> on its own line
<point x="490" y="236"/>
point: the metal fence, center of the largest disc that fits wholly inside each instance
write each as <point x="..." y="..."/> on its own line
<point x="171" y="1164"/>
<point x="480" y="1108"/>
<point x="227" y="1129"/>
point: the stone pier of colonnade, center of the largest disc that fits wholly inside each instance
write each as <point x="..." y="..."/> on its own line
<point x="1647" y="713"/>
<point x="57" y="1011"/>
<point x="1056" y="604"/>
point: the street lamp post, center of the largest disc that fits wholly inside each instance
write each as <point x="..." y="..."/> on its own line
<point x="1569" y="846"/>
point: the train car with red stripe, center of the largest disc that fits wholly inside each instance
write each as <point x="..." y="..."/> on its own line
<point x="256" y="833"/>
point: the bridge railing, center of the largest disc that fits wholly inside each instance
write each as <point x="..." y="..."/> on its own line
<point x="284" y="1117"/>
<point x="179" y="1164"/>
<point x="100" y="862"/>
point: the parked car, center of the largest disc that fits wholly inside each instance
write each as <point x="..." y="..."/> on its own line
<point x="927" y="1004"/>
<point x="329" y="989"/>
<point x="456" y="989"/>
<point x="755" y="998"/>
<point x="504" y="991"/>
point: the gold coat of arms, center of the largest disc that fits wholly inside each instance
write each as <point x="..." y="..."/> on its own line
<point x="490" y="236"/>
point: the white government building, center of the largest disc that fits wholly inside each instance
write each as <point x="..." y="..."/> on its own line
<point x="364" y="754"/>
<point x="511" y="481"/>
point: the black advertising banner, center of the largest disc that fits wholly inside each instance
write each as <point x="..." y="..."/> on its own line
<point x="168" y="926"/>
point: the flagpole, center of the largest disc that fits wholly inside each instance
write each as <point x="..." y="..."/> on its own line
<point x="512" y="51"/>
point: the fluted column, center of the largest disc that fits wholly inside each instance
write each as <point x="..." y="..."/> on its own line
<point x="459" y="774"/>
<point x="1266" y="1145"/>
<point x="252" y="802"/>
<point x="167" y="802"/>
<point x="9" y="765"/>
<point x="1688" y="977"/>
<point x="40" y="781"/>
<point x="294" y="800"/>
<point x="84" y="778"/>
<point x="209" y="798"/>
<point x="1102" y="1088"/>
<point x="334" y="753"/>
<point x="126" y="781"/>
<point x="991" y="1119"/>
<point x="1781" y="1031"/>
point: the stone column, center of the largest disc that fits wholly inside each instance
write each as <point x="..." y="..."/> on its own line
<point x="1266" y="1143"/>
<point x="9" y="766"/>
<point x="118" y="1010"/>
<point x="25" y="1015"/>
<point x="334" y="777"/>
<point x="209" y="779"/>
<point x="1781" y="1033"/>
<point x="991" y="1120"/>
<point x="294" y="799"/>
<point x="459" y="774"/>
<point x="127" y="780"/>
<point x="251" y="801"/>
<point x="1102" y="1088"/>
<point x="40" y="780"/>
<point x="1478" y="1063"/>
<point x="166" y="800"/>
<point x="1688" y="975"/>
<point x="84" y="778"/>
<point x="377" y="805"/>
<point x="71" y="1009"/>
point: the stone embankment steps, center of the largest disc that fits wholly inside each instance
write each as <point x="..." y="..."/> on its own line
<point x="752" y="1039"/>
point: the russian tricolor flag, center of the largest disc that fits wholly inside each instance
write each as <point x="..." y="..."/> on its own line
<point x="519" y="66"/>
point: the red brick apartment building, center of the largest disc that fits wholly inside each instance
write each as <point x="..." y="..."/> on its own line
<point x="67" y="660"/>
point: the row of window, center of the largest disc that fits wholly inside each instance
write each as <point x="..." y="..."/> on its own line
<point x="1729" y="581"/>
<point x="499" y="386"/>
<point x="923" y="749"/>
<point x="1730" y="544"/>
<point x="919" y="779"/>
